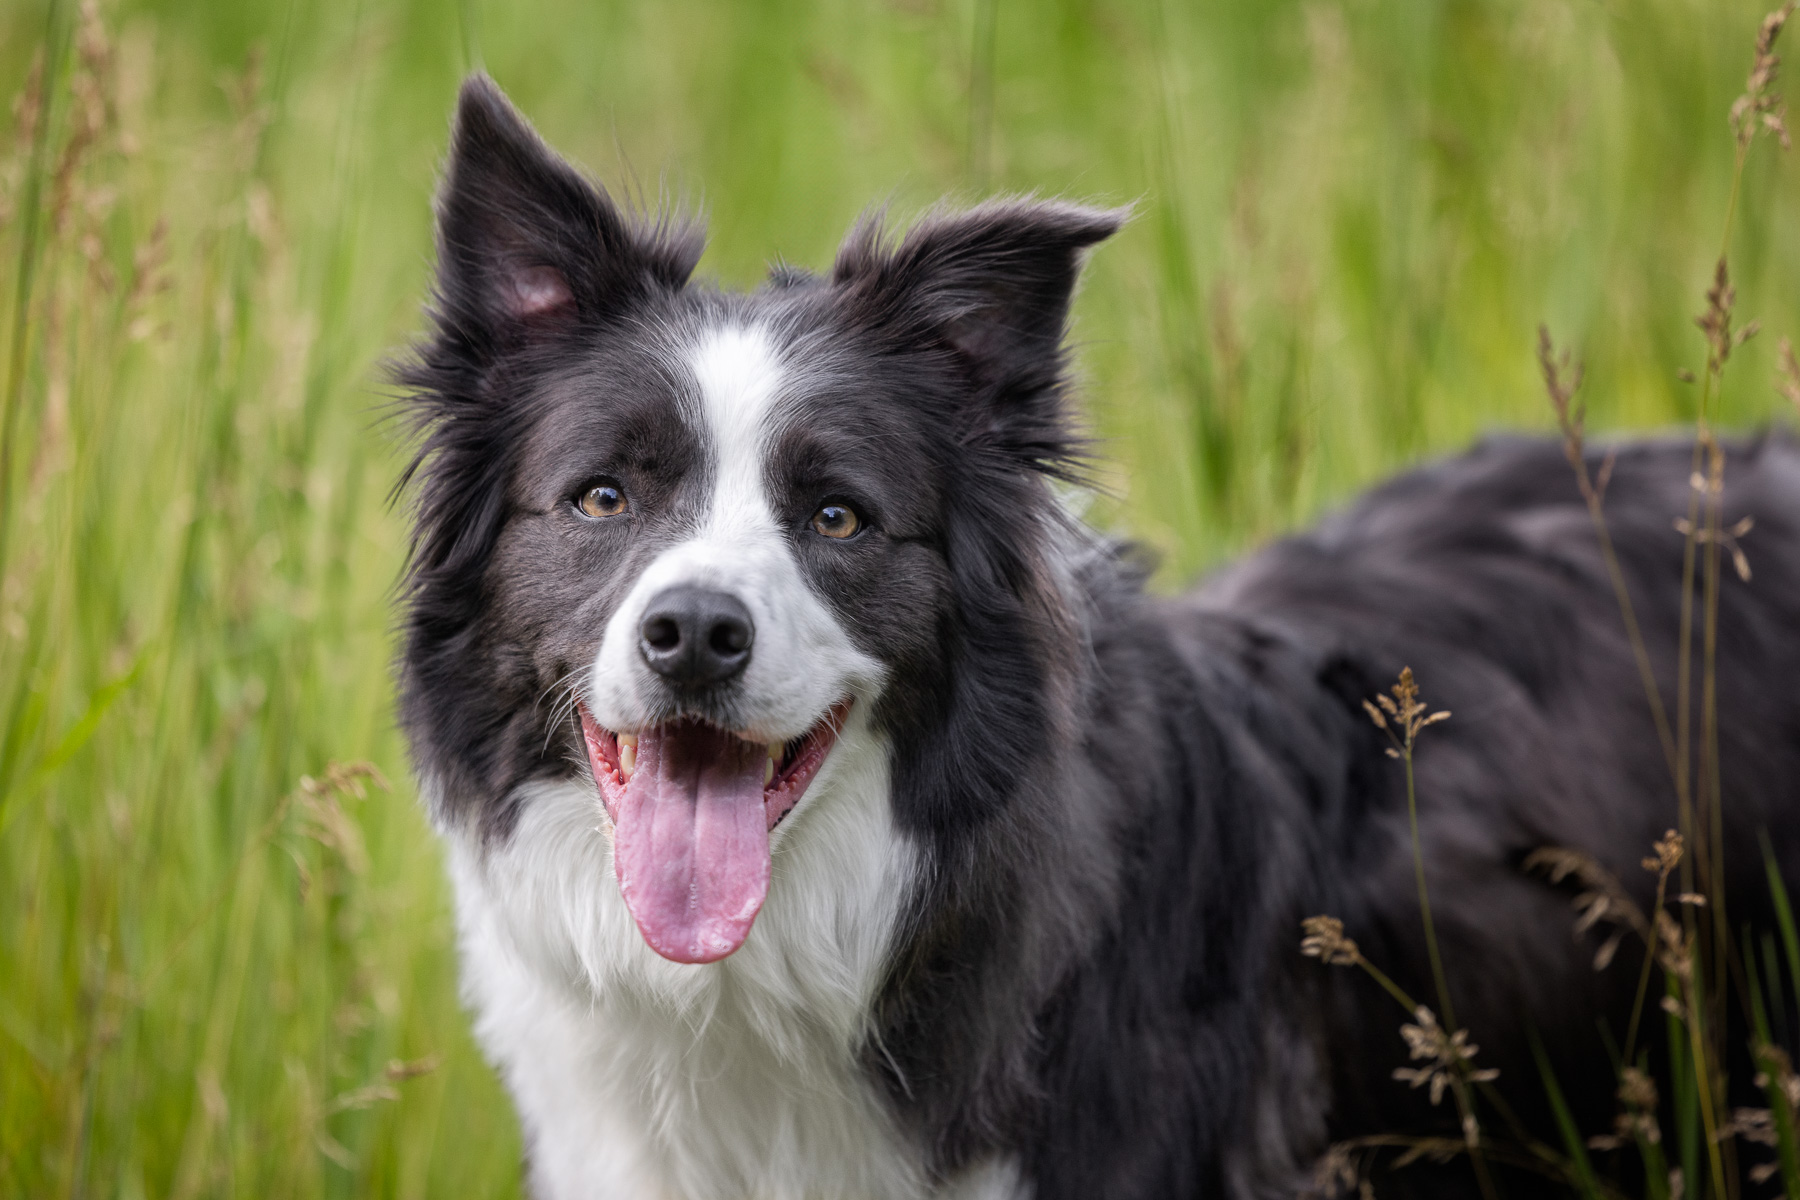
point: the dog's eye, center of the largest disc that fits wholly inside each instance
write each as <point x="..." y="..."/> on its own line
<point x="603" y="500"/>
<point x="836" y="521"/>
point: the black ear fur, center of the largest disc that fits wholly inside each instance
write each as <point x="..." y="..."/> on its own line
<point x="527" y="249"/>
<point x="992" y="284"/>
<point x="525" y="242"/>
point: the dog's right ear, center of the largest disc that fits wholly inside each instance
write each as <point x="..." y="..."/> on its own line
<point x="526" y="245"/>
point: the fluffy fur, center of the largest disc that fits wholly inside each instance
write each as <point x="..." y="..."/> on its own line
<point x="1032" y="931"/>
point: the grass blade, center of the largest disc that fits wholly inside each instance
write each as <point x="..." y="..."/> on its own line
<point x="1772" y="1070"/>
<point x="1784" y="911"/>
<point x="1684" y="1097"/>
<point x="1582" y="1170"/>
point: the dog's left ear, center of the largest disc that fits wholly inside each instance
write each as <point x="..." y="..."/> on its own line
<point x="992" y="284"/>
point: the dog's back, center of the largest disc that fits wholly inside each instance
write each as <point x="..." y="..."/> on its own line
<point x="1194" y="1049"/>
<point x="1485" y="575"/>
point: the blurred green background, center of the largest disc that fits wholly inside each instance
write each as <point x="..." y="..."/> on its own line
<point x="224" y="972"/>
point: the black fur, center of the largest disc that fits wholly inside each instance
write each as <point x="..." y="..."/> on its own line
<point x="508" y="205"/>
<point x="1125" y="804"/>
<point x="1246" y="788"/>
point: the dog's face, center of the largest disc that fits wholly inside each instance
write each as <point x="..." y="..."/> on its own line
<point x="676" y="538"/>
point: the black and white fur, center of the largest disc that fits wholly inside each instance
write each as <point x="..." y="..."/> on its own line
<point x="1032" y="931"/>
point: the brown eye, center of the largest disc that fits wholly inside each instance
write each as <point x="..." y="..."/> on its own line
<point x="835" y="521"/>
<point x="603" y="500"/>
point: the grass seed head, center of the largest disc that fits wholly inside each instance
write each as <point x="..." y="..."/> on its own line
<point x="1636" y="1120"/>
<point x="1446" y="1056"/>
<point x="1787" y="377"/>
<point x="1562" y="379"/>
<point x="1335" y="1173"/>
<point x="1637" y="1090"/>
<point x="28" y="105"/>
<point x="1760" y="109"/>
<point x="1602" y="897"/>
<point x="1777" y="1070"/>
<point x="1714" y="321"/>
<point x="1712" y="483"/>
<point x="1325" y="940"/>
<point x="1402" y="715"/>
<point x="1674" y="949"/>
<point x="1666" y="856"/>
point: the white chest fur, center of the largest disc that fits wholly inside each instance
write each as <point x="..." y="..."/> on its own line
<point x="635" y="1076"/>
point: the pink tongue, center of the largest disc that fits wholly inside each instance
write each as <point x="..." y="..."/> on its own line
<point x="691" y="841"/>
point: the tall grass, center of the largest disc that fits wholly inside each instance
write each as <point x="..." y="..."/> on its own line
<point x="1703" y="969"/>
<point x="225" y="962"/>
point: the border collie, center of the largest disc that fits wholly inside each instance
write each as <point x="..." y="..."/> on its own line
<point x="831" y="814"/>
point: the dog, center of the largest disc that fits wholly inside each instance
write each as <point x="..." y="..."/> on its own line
<point x="831" y="814"/>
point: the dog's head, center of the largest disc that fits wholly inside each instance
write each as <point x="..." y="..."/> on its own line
<point x="678" y="538"/>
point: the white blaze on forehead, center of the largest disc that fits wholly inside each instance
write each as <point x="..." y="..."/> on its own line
<point x="739" y="375"/>
<point x="803" y="660"/>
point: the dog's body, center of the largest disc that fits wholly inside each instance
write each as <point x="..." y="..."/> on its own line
<point x="1030" y="849"/>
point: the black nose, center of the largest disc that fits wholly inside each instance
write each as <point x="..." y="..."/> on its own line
<point x="692" y="636"/>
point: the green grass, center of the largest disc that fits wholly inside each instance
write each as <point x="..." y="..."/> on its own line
<point x="1352" y="216"/>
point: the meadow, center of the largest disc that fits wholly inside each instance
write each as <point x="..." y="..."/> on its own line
<point x="226" y="962"/>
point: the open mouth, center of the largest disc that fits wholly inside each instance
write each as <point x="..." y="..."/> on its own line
<point x="692" y="806"/>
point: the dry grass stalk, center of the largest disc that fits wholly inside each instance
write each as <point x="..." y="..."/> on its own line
<point x="1787" y="374"/>
<point x="1777" y="1069"/>
<point x="28" y="111"/>
<point x="1446" y="1055"/>
<point x="1563" y="376"/>
<point x="28" y="105"/>
<point x="1727" y="538"/>
<point x="1670" y="945"/>
<point x="1636" y="1120"/>
<point x="1340" y="1170"/>
<point x="1709" y="827"/>
<point x="1337" y="1174"/>
<point x="75" y="219"/>
<point x="1407" y="712"/>
<point x="337" y="781"/>
<point x="92" y="112"/>
<point x="1705" y="542"/>
<point x="1761" y="1126"/>
<point x="1324" y="939"/>
<point x="1401" y="715"/>
<point x="1760" y="109"/>
<point x="326" y="822"/>
<point x="1673" y="945"/>
<point x="1666" y="855"/>
<point x="1714" y="321"/>
<point x="1604" y="898"/>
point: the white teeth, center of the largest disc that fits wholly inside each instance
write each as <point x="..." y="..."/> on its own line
<point x="775" y="750"/>
<point x="768" y="770"/>
<point x="627" y="754"/>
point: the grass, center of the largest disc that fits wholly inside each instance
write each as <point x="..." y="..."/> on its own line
<point x="1696" y="999"/>
<point x="224" y="972"/>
